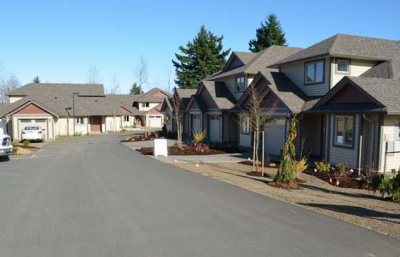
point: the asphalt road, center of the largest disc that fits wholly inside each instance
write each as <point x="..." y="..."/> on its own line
<point x="96" y="197"/>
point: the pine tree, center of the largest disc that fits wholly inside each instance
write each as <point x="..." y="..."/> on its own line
<point x="36" y="79"/>
<point x="270" y="33"/>
<point x="286" y="169"/>
<point x="199" y="59"/>
<point x="135" y="89"/>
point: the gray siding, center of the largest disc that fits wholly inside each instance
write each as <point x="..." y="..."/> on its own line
<point x="295" y="72"/>
<point x="310" y="134"/>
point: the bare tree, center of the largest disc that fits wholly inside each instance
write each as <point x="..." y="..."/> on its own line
<point x="114" y="86"/>
<point x="177" y="114"/>
<point x="141" y="72"/>
<point x="8" y="83"/>
<point x="168" y="78"/>
<point x="93" y="75"/>
<point x="256" y="117"/>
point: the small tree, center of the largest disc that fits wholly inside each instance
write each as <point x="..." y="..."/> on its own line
<point x="270" y="33"/>
<point x="141" y="73"/>
<point x="36" y="80"/>
<point x="257" y="118"/>
<point x="288" y="154"/>
<point x="177" y="113"/>
<point x="135" y="89"/>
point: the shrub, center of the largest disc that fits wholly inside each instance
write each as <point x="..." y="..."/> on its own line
<point x="375" y="181"/>
<point x="201" y="148"/>
<point x="390" y="186"/>
<point x="300" y="166"/>
<point x="323" y="167"/>
<point x="15" y="150"/>
<point x="14" y="144"/>
<point x="341" y="169"/>
<point x="26" y="143"/>
<point x="199" y="137"/>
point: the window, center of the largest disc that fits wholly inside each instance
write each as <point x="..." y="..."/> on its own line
<point x="79" y="121"/>
<point x="245" y="125"/>
<point x="344" y="131"/>
<point x="240" y="84"/>
<point x="314" y="72"/>
<point x="343" y="66"/>
<point x="145" y="104"/>
<point x="126" y="118"/>
<point x="167" y="119"/>
<point x="397" y="131"/>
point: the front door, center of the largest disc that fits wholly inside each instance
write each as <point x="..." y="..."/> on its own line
<point x="95" y="124"/>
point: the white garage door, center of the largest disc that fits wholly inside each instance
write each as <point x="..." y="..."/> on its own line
<point x="196" y="123"/>
<point x="155" y="121"/>
<point x="274" y="136"/>
<point x="214" y="127"/>
<point x="34" y="122"/>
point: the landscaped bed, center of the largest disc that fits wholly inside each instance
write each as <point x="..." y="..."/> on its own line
<point x="184" y="150"/>
<point x="138" y="138"/>
<point x="339" y="181"/>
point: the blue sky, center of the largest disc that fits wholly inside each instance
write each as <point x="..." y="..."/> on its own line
<point x="60" y="40"/>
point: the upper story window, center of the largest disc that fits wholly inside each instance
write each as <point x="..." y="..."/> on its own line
<point x="240" y="85"/>
<point x="344" y="130"/>
<point x="314" y="72"/>
<point x="343" y="66"/>
<point x="79" y="121"/>
<point x="145" y="104"/>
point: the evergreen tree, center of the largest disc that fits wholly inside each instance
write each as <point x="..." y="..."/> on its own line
<point x="270" y="33"/>
<point x="285" y="172"/>
<point x="36" y="79"/>
<point x="135" y="89"/>
<point x="200" y="58"/>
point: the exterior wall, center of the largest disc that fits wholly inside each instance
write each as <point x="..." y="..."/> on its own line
<point x="370" y="143"/>
<point x="16" y="127"/>
<point x="230" y="83"/>
<point x="392" y="161"/>
<point x="83" y="129"/>
<point x="151" y="106"/>
<point x="168" y="121"/>
<point x="310" y="135"/>
<point x="357" y="67"/>
<point x="63" y="126"/>
<point x="13" y="99"/>
<point x="130" y="123"/>
<point x="337" y="154"/>
<point x="295" y="72"/>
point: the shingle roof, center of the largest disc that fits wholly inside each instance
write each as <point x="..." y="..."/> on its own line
<point x="221" y="95"/>
<point x="259" y="61"/>
<point x="58" y="89"/>
<point x="245" y="57"/>
<point x="385" y="91"/>
<point x="127" y="101"/>
<point x="185" y="95"/>
<point x="149" y="96"/>
<point x="347" y="45"/>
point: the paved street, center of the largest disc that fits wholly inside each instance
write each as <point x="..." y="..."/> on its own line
<point x="96" y="197"/>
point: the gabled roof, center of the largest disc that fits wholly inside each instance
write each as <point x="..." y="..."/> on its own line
<point x="9" y="109"/>
<point x="185" y="95"/>
<point x="151" y="98"/>
<point x="127" y="102"/>
<point x="197" y="100"/>
<point x="384" y="93"/>
<point x="259" y="61"/>
<point x="282" y="87"/>
<point x="220" y="94"/>
<point x="347" y="46"/>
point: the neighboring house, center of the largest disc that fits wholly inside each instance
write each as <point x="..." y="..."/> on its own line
<point x="68" y="109"/>
<point x="345" y="90"/>
<point x="182" y="97"/>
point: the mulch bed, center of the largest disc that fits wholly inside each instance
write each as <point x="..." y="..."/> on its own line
<point x="289" y="186"/>
<point x="185" y="150"/>
<point x="266" y="164"/>
<point x="344" y="182"/>
<point x="257" y="174"/>
<point x="138" y="138"/>
<point x="27" y="147"/>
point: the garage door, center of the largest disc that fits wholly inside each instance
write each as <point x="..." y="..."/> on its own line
<point x="155" y="121"/>
<point x="196" y="123"/>
<point x="274" y="137"/>
<point x="34" y="122"/>
<point x="214" y="128"/>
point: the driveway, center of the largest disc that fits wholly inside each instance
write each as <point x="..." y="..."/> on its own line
<point x="96" y="197"/>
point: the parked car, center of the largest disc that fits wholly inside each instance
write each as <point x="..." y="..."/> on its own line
<point x="5" y="145"/>
<point x="32" y="133"/>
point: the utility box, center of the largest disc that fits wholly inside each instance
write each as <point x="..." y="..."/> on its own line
<point x="160" y="147"/>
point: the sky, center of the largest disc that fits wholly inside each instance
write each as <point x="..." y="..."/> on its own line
<point x="59" y="40"/>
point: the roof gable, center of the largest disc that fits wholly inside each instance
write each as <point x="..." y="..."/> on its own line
<point x="31" y="109"/>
